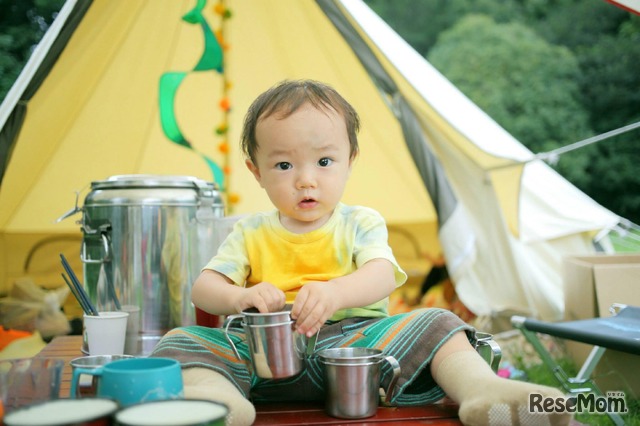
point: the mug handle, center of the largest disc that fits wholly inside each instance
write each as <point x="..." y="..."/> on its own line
<point x="75" y="379"/>
<point x="227" y="324"/>
<point x="396" y="373"/>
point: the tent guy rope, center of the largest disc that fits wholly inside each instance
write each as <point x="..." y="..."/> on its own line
<point x="552" y="156"/>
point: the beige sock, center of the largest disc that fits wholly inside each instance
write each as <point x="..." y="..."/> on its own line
<point x="204" y="383"/>
<point x="487" y="399"/>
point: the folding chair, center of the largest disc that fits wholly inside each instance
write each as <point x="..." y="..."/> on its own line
<point x="620" y="332"/>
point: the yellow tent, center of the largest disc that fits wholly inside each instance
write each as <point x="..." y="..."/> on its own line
<point x="86" y="107"/>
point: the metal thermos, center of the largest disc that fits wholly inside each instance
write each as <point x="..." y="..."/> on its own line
<point x="145" y="240"/>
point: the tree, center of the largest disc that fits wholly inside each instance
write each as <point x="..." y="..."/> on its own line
<point x="575" y="23"/>
<point x="420" y="22"/>
<point x="22" y="25"/>
<point x="605" y="42"/>
<point x="612" y="92"/>
<point x="524" y="83"/>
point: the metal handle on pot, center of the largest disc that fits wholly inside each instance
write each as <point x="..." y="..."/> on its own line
<point x="227" y="324"/>
<point x="488" y="349"/>
<point x="105" y="245"/>
<point x="75" y="379"/>
<point x="71" y="212"/>
<point x="396" y="373"/>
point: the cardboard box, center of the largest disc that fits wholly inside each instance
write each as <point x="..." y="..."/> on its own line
<point x="591" y="285"/>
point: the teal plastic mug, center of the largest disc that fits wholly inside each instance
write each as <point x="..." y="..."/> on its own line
<point x="135" y="380"/>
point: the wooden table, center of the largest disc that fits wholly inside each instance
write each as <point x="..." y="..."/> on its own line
<point x="299" y="414"/>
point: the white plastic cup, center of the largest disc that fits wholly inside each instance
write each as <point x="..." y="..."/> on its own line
<point x="132" y="341"/>
<point x="106" y="333"/>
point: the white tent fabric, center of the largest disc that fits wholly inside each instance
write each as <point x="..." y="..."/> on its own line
<point x="503" y="239"/>
<point x="630" y="5"/>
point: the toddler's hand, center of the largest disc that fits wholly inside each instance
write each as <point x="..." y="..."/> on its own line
<point x="314" y="305"/>
<point x="263" y="296"/>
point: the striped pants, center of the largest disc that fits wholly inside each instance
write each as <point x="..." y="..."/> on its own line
<point x="412" y="338"/>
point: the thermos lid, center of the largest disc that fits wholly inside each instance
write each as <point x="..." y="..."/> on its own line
<point x="151" y="190"/>
<point x="150" y="181"/>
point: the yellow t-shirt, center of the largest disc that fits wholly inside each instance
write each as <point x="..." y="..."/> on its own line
<point x="260" y="249"/>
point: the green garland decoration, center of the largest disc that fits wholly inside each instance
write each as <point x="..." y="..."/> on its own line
<point x="211" y="60"/>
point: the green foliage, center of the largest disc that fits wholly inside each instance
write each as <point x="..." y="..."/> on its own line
<point x="616" y="181"/>
<point x="626" y="243"/>
<point x="9" y="65"/>
<point x="526" y="84"/>
<point x="420" y="22"/>
<point x="632" y="418"/>
<point x="22" y="25"/>
<point x="604" y="40"/>
<point x="574" y="23"/>
<point x="608" y="81"/>
<point x="611" y="92"/>
<point x="540" y="374"/>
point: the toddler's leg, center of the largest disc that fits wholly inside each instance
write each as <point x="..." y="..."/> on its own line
<point x="204" y="383"/>
<point x="484" y="397"/>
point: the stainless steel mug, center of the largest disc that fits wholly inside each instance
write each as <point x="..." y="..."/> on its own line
<point x="352" y="381"/>
<point x="277" y="351"/>
<point x="87" y="384"/>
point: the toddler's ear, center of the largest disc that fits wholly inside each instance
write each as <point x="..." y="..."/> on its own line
<point x="254" y="170"/>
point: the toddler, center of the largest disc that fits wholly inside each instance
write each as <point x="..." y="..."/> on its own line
<point x="333" y="264"/>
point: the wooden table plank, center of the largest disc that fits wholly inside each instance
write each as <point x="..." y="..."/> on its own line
<point x="313" y="414"/>
<point x="66" y="348"/>
<point x="443" y="413"/>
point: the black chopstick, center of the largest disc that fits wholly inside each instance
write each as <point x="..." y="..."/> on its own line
<point x="83" y="305"/>
<point x="79" y="290"/>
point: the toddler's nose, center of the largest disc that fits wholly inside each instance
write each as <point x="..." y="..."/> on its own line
<point x="306" y="180"/>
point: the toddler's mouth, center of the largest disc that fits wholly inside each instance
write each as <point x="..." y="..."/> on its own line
<point x="307" y="203"/>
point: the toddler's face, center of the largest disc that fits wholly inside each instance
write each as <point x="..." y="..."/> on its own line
<point x="303" y="163"/>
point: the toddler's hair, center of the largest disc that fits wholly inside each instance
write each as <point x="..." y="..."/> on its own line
<point x="285" y="98"/>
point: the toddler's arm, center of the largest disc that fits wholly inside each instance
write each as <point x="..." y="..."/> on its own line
<point x="216" y="294"/>
<point x="316" y="302"/>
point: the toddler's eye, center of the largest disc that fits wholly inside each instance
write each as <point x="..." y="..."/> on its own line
<point x="324" y="162"/>
<point x="283" y="165"/>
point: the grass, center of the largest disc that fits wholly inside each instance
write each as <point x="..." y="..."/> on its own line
<point x="626" y="243"/>
<point x="539" y="373"/>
